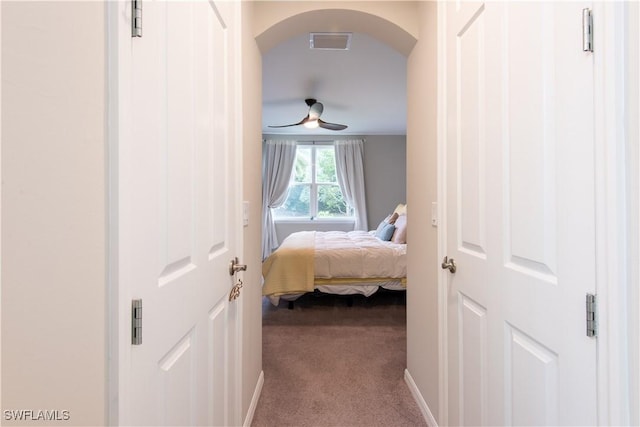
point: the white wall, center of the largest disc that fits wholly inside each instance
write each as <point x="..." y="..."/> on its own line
<point x="632" y="131"/>
<point x="252" y="192"/>
<point x="53" y="209"/>
<point x="385" y="175"/>
<point x="422" y="263"/>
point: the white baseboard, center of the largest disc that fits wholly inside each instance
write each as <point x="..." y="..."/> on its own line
<point x="424" y="408"/>
<point x="254" y="401"/>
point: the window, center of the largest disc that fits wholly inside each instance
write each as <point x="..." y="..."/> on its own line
<point x="314" y="191"/>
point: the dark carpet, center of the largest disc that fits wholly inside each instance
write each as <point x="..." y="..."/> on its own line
<point x="328" y="364"/>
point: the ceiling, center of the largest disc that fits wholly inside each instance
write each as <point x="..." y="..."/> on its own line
<point x="363" y="87"/>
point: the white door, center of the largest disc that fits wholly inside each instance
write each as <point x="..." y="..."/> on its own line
<point x="177" y="230"/>
<point x="520" y="214"/>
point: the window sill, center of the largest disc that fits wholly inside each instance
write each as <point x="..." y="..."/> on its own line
<point x="315" y="220"/>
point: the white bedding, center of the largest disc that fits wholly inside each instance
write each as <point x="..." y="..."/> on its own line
<point x="354" y="262"/>
<point x="357" y="254"/>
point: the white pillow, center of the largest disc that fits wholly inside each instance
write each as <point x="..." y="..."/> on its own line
<point x="400" y="234"/>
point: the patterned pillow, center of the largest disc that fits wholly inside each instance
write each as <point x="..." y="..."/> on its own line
<point x="391" y="219"/>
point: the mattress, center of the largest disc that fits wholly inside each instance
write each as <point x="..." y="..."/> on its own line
<point x="357" y="261"/>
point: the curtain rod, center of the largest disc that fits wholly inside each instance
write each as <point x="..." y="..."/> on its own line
<point x="313" y="141"/>
<point x="307" y="141"/>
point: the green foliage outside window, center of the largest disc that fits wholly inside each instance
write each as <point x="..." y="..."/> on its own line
<point x="298" y="202"/>
<point x="302" y="171"/>
<point x="330" y="201"/>
<point x="303" y="189"/>
<point x="326" y="165"/>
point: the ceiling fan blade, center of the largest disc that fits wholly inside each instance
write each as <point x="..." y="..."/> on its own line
<point x="315" y="110"/>
<point x="331" y="126"/>
<point x="301" y="122"/>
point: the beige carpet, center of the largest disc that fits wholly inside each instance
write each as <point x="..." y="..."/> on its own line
<point x="327" y="364"/>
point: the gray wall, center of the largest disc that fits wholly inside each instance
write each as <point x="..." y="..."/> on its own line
<point x="385" y="175"/>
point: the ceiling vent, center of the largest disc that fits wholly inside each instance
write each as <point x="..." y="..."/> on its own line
<point x="330" y="41"/>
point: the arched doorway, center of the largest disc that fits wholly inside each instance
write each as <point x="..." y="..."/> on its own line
<point x="411" y="27"/>
<point x="275" y="23"/>
<point x="387" y="25"/>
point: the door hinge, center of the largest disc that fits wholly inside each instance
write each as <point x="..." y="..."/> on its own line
<point x="136" y="322"/>
<point x="592" y="315"/>
<point x="136" y="18"/>
<point x="587" y="30"/>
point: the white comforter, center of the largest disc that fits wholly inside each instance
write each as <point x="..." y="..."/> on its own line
<point x="358" y="254"/>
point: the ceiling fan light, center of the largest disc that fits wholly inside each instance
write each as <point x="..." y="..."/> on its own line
<point x="311" y="124"/>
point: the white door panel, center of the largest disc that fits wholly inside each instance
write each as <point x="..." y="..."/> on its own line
<point x="531" y="381"/>
<point x="217" y="365"/>
<point x="520" y="206"/>
<point x="472" y="321"/>
<point x="177" y="224"/>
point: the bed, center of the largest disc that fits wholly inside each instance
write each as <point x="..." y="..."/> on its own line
<point x="337" y="262"/>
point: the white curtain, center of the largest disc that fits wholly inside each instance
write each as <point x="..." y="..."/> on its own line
<point x="277" y="164"/>
<point x="350" y="171"/>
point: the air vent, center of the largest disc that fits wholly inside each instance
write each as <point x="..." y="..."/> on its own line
<point x="330" y="41"/>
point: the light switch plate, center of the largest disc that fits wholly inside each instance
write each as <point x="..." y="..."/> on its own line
<point x="245" y="214"/>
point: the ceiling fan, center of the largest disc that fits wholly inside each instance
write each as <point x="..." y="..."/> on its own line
<point x="313" y="118"/>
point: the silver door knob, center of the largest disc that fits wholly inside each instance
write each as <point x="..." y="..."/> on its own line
<point x="235" y="266"/>
<point x="449" y="264"/>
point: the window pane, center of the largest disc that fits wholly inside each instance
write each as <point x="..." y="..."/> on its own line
<point x="330" y="202"/>
<point x="302" y="167"/>
<point x="297" y="203"/>
<point x="326" y="165"/>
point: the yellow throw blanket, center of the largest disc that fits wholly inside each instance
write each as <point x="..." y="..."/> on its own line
<point x="290" y="268"/>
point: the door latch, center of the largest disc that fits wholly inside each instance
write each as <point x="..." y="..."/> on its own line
<point x="449" y="264"/>
<point x="235" y="266"/>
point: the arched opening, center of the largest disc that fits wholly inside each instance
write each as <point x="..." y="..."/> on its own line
<point x="399" y="32"/>
<point x="283" y="25"/>
<point x="419" y="21"/>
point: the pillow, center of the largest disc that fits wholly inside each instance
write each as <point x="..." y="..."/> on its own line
<point x="401" y="209"/>
<point x="400" y="233"/>
<point x="391" y="219"/>
<point x="380" y="227"/>
<point x="385" y="231"/>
